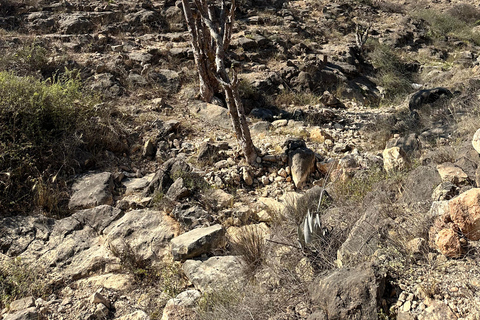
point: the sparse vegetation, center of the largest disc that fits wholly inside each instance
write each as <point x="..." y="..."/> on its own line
<point x="251" y="246"/>
<point x="392" y="74"/>
<point x="19" y="280"/>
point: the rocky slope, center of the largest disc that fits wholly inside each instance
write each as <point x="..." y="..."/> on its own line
<point x="175" y="225"/>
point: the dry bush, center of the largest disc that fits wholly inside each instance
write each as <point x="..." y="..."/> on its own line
<point x="465" y="12"/>
<point x="251" y="246"/>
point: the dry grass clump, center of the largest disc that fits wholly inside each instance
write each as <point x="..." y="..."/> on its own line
<point x="250" y="244"/>
<point x="19" y="280"/>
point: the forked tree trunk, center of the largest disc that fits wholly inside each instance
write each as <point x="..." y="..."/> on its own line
<point x="210" y="25"/>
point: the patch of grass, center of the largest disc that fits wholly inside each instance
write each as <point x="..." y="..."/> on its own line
<point x="288" y="97"/>
<point x="26" y="59"/>
<point x="19" y="280"/>
<point x="392" y="73"/>
<point x="168" y="277"/>
<point x="457" y="22"/>
<point x="251" y="246"/>
<point x="353" y="190"/>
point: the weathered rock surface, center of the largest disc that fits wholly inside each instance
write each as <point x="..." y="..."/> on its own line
<point x="146" y="232"/>
<point x="214" y="273"/>
<point x="349" y="293"/>
<point x="181" y="307"/>
<point x="448" y="243"/>
<point x="394" y="159"/>
<point x="301" y="161"/>
<point x="197" y="242"/>
<point x="92" y="190"/>
<point x="476" y="141"/>
<point x="465" y="213"/>
<point x="452" y="173"/>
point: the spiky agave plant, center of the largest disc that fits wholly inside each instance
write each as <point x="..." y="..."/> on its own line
<point x="310" y="228"/>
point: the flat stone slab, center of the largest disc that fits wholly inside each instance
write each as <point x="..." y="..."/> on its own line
<point x="215" y="273"/>
<point x="134" y="185"/>
<point x="197" y="242"/>
<point x="92" y="190"/>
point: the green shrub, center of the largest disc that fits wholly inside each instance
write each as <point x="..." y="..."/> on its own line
<point x="26" y="59"/>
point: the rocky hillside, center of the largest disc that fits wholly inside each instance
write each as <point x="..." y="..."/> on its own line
<point x="123" y="196"/>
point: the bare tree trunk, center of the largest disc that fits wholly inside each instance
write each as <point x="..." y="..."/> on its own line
<point x="211" y="34"/>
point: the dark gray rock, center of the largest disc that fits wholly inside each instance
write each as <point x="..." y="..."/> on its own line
<point x="74" y="23"/>
<point x="349" y="293"/>
<point x="302" y="163"/>
<point x="191" y="216"/>
<point x="427" y="96"/>
<point x="27" y="314"/>
<point x="197" y="242"/>
<point x="168" y="79"/>
<point x="98" y="218"/>
<point x="92" y="190"/>
<point x="178" y="190"/>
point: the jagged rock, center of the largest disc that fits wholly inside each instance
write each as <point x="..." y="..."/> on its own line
<point x="22" y="304"/>
<point x="181" y="307"/>
<point x="99" y="298"/>
<point x="448" y="243"/>
<point x="160" y="183"/>
<point x="366" y="236"/>
<point x="27" y="314"/>
<point x="177" y="190"/>
<point x="394" y="159"/>
<point x="444" y="191"/>
<point x="134" y="185"/>
<point x="98" y="218"/>
<point x="145" y="232"/>
<point x="467" y="165"/>
<point x="419" y="186"/>
<point x="197" y="242"/>
<point x="409" y="143"/>
<point x="191" y="216"/>
<point x="92" y="190"/>
<point x="137" y="315"/>
<point x="219" y="199"/>
<point x="465" y="213"/>
<point x="210" y="153"/>
<point x="349" y="293"/>
<point x="74" y="23"/>
<point x="211" y="113"/>
<point x="452" y="173"/>
<point x="214" y="273"/>
<point x="301" y="161"/>
<point x="437" y="310"/>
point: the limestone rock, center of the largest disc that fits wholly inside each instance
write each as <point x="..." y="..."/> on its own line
<point x="197" y="242"/>
<point x="112" y="281"/>
<point x="99" y="217"/>
<point x="465" y="213"/>
<point x="134" y="185"/>
<point x="137" y="315"/>
<point x="27" y="314"/>
<point x="437" y="311"/>
<point x="99" y="298"/>
<point x="146" y="232"/>
<point x="476" y="141"/>
<point x="444" y="191"/>
<point x="181" y="307"/>
<point x="452" y="173"/>
<point x="22" y="304"/>
<point x="149" y="149"/>
<point x="349" y="293"/>
<point x="448" y="243"/>
<point x="92" y="190"/>
<point x="220" y="199"/>
<point x="247" y="176"/>
<point x="212" y="114"/>
<point x="214" y="273"/>
<point x="394" y="159"/>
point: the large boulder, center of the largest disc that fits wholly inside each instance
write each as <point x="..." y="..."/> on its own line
<point x="214" y="273"/>
<point x="92" y="190"/>
<point x="452" y="173"/>
<point x="448" y="243"/>
<point x="197" y="242"/>
<point x="349" y="293"/>
<point x="465" y="213"/>
<point x="146" y="232"/>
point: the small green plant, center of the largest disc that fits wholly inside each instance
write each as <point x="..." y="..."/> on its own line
<point x="19" y="280"/>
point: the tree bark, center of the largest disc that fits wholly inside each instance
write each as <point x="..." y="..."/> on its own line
<point x="211" y="30"/>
